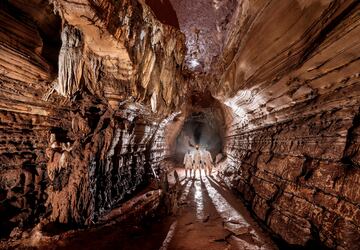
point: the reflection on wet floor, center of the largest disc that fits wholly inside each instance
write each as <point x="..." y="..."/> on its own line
<point x="186" y="189"/>
<point x="225" y="210"/>
<point x="213" y="218"/>
<point x="209" y="217"/>
<point x="199" y="201"/>
<point x="233" y="220"/>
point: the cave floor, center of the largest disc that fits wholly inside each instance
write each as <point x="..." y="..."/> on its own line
<point x="209" y="217"/>
<point x="212" y="217"/>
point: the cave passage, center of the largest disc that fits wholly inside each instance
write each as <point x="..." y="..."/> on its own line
<point x="100" y="101"/>
<point x="210" y="218"/>
<point x="200" y="129"/>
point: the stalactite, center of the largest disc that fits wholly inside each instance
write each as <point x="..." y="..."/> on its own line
<point x="70" y="61"/>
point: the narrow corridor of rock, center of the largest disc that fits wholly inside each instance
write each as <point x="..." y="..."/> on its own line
<point x="109" y="107"/>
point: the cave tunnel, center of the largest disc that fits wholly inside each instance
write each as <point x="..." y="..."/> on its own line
<point x="101" y="101"/>
<point x="199" y="129"/>
<point x="204" y="125"/>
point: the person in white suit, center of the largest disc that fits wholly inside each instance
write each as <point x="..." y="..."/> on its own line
<point x="188" y="162"/>
<point x="208" y="161"/>
<point x="197" y="161"/>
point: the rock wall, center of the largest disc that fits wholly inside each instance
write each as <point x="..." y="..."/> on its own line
<point x="293" y="144"/>
<point x="25" y="118"/>
<point x="129" y="54"/>
<point x="92" y="168"/>
<point x="88" y="100"/>
<point x="77" y="135"/>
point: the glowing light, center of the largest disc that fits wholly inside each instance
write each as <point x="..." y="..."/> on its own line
<point x="194" y="63"/>
<point x="216" y="4"/>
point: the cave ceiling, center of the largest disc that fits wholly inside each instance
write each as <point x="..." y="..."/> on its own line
<point x="204" y="23"/>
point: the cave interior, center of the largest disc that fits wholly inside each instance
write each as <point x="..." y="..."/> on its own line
<point x="100" y="101"/>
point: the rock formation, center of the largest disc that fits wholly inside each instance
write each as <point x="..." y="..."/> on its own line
<point x="95" y="93"/>
<point x="77" y="140"/>
<point x="292" y="145"/>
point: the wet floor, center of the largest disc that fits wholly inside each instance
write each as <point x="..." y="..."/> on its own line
<point x="210" y="217"/>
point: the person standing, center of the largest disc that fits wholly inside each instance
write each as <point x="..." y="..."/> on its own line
<point x="208" y="162"/>
<point x="188" y="161"/>
<point x="197" y="161"/>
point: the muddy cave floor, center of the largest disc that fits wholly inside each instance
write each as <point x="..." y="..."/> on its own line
<point x="209" y="217"/>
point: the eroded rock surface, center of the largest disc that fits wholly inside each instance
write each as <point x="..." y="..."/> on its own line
<point x="78" y="135"/>
<point x="293" y="146"/>
<point x="205" y="25"/>
<point x="94" y="94"/>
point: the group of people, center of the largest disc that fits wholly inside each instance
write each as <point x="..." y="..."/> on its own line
<point x="199" y="159"/>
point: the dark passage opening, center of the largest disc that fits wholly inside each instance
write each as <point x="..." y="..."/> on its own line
<point x="204" y="125"/>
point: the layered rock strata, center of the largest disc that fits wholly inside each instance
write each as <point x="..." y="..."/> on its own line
<point x="293" y="143"/>
<point x="78" y="135"/>
<point x="91" y="101"/>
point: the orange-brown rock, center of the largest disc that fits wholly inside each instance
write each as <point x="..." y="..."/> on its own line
<point x="77" y="135"/>
<point x="96" y="98"/>
<point x="293" y="84"/>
